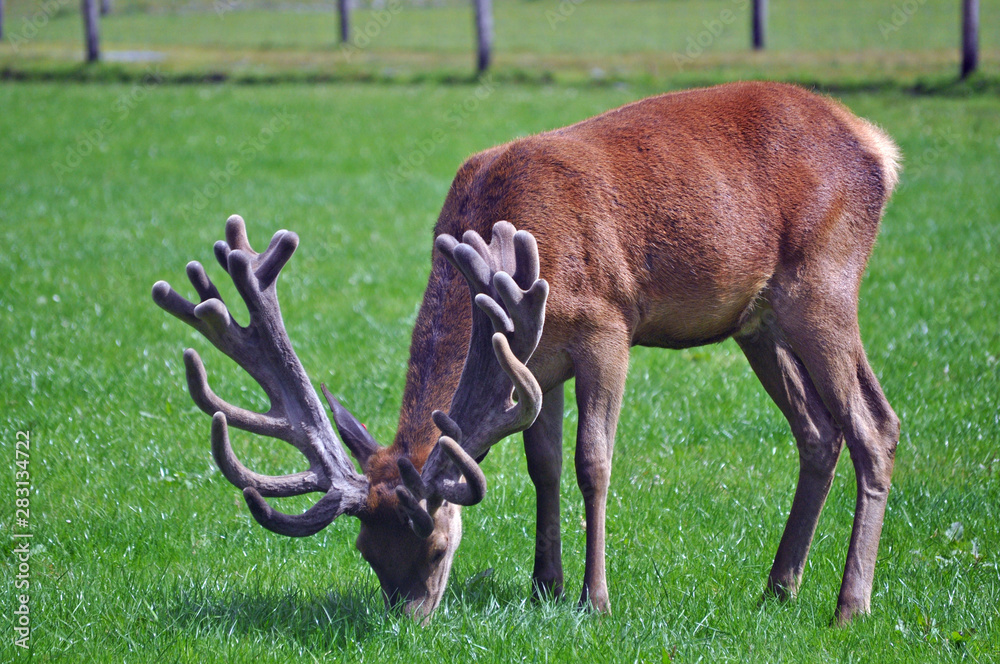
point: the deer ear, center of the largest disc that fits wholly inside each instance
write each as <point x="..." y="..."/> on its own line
<point x="354" y="434"/>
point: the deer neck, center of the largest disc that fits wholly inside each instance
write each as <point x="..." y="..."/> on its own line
<point x="437" y="355"/>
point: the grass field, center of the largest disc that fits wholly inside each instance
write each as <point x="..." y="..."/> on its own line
<point x="143" y="552"/>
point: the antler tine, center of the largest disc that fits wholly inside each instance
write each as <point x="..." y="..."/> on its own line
<point x="506" y="328"/>
<point x="310" y="522"/>
<point x="206" y="399"/>
<point x="446" y="425"/>
<point x="236" y="233"/>
<point x="529" y="393"/>
<point x="473" y="490"/>
<point x="353" y="434"/>
<point x="420" y="517"/>
<point x="242" y="477"/>
<point x="263" y="349"/>
<point x="526" y="257"/>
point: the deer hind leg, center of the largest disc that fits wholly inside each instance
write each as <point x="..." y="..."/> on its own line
<point x="819" y="320"/>
<point x="543" y="450"/>
<point x="601" y="365"/>
<point x="818" y="439"/>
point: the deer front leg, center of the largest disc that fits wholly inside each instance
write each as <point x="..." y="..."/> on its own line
<point x="601" y="366"/>
<point x="543" y="451"/>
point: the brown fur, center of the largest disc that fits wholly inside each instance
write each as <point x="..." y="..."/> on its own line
<point x="746" y="210"/>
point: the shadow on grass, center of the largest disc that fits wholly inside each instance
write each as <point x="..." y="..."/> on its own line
<point x="334" y="620"/>
<point x="116" y="72"/>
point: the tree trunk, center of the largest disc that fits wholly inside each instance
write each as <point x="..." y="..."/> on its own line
<point x="970" y="36"/>
<point x="90" y="18"/>
<point x="344" y="7"/>
<point x="484" y="33"/>
<point x="1" y="19"/>
<point x="759" y="23"/>
<point x="105" y="7"/>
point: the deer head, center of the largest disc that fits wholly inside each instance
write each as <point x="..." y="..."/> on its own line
<point x="409" y="507"/>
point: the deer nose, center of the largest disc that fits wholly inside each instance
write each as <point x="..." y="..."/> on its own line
<point x="420" y="610"/>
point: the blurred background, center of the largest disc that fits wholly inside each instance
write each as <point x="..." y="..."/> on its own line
<point x="842" y="41"/>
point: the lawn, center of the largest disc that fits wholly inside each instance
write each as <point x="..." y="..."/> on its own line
<point x="141" y="551"/>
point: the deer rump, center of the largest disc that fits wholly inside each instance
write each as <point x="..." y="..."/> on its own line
<point x="747" y="210"/>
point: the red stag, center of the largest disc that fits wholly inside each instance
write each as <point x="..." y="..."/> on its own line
<point x="746" y="210"/>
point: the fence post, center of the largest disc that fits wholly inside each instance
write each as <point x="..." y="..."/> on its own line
<point x="344" y="7"/>
<point x="759" y="23"/>
<point x="89" y="8"/>
<point x="970" y="37"/>
<point x="484" y="33"/>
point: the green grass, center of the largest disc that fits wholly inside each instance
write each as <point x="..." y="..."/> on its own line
<point x="143" y="552"/>
<point x="592" y="40"/>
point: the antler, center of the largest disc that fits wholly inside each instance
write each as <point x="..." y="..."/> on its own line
<point x="506" y="327"/>
<point x="263" y="349"/>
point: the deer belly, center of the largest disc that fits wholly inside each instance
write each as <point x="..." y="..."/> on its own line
<point x="695" y="319"/>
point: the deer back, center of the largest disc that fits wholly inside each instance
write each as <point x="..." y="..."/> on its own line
<point x="671" y="214"/>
